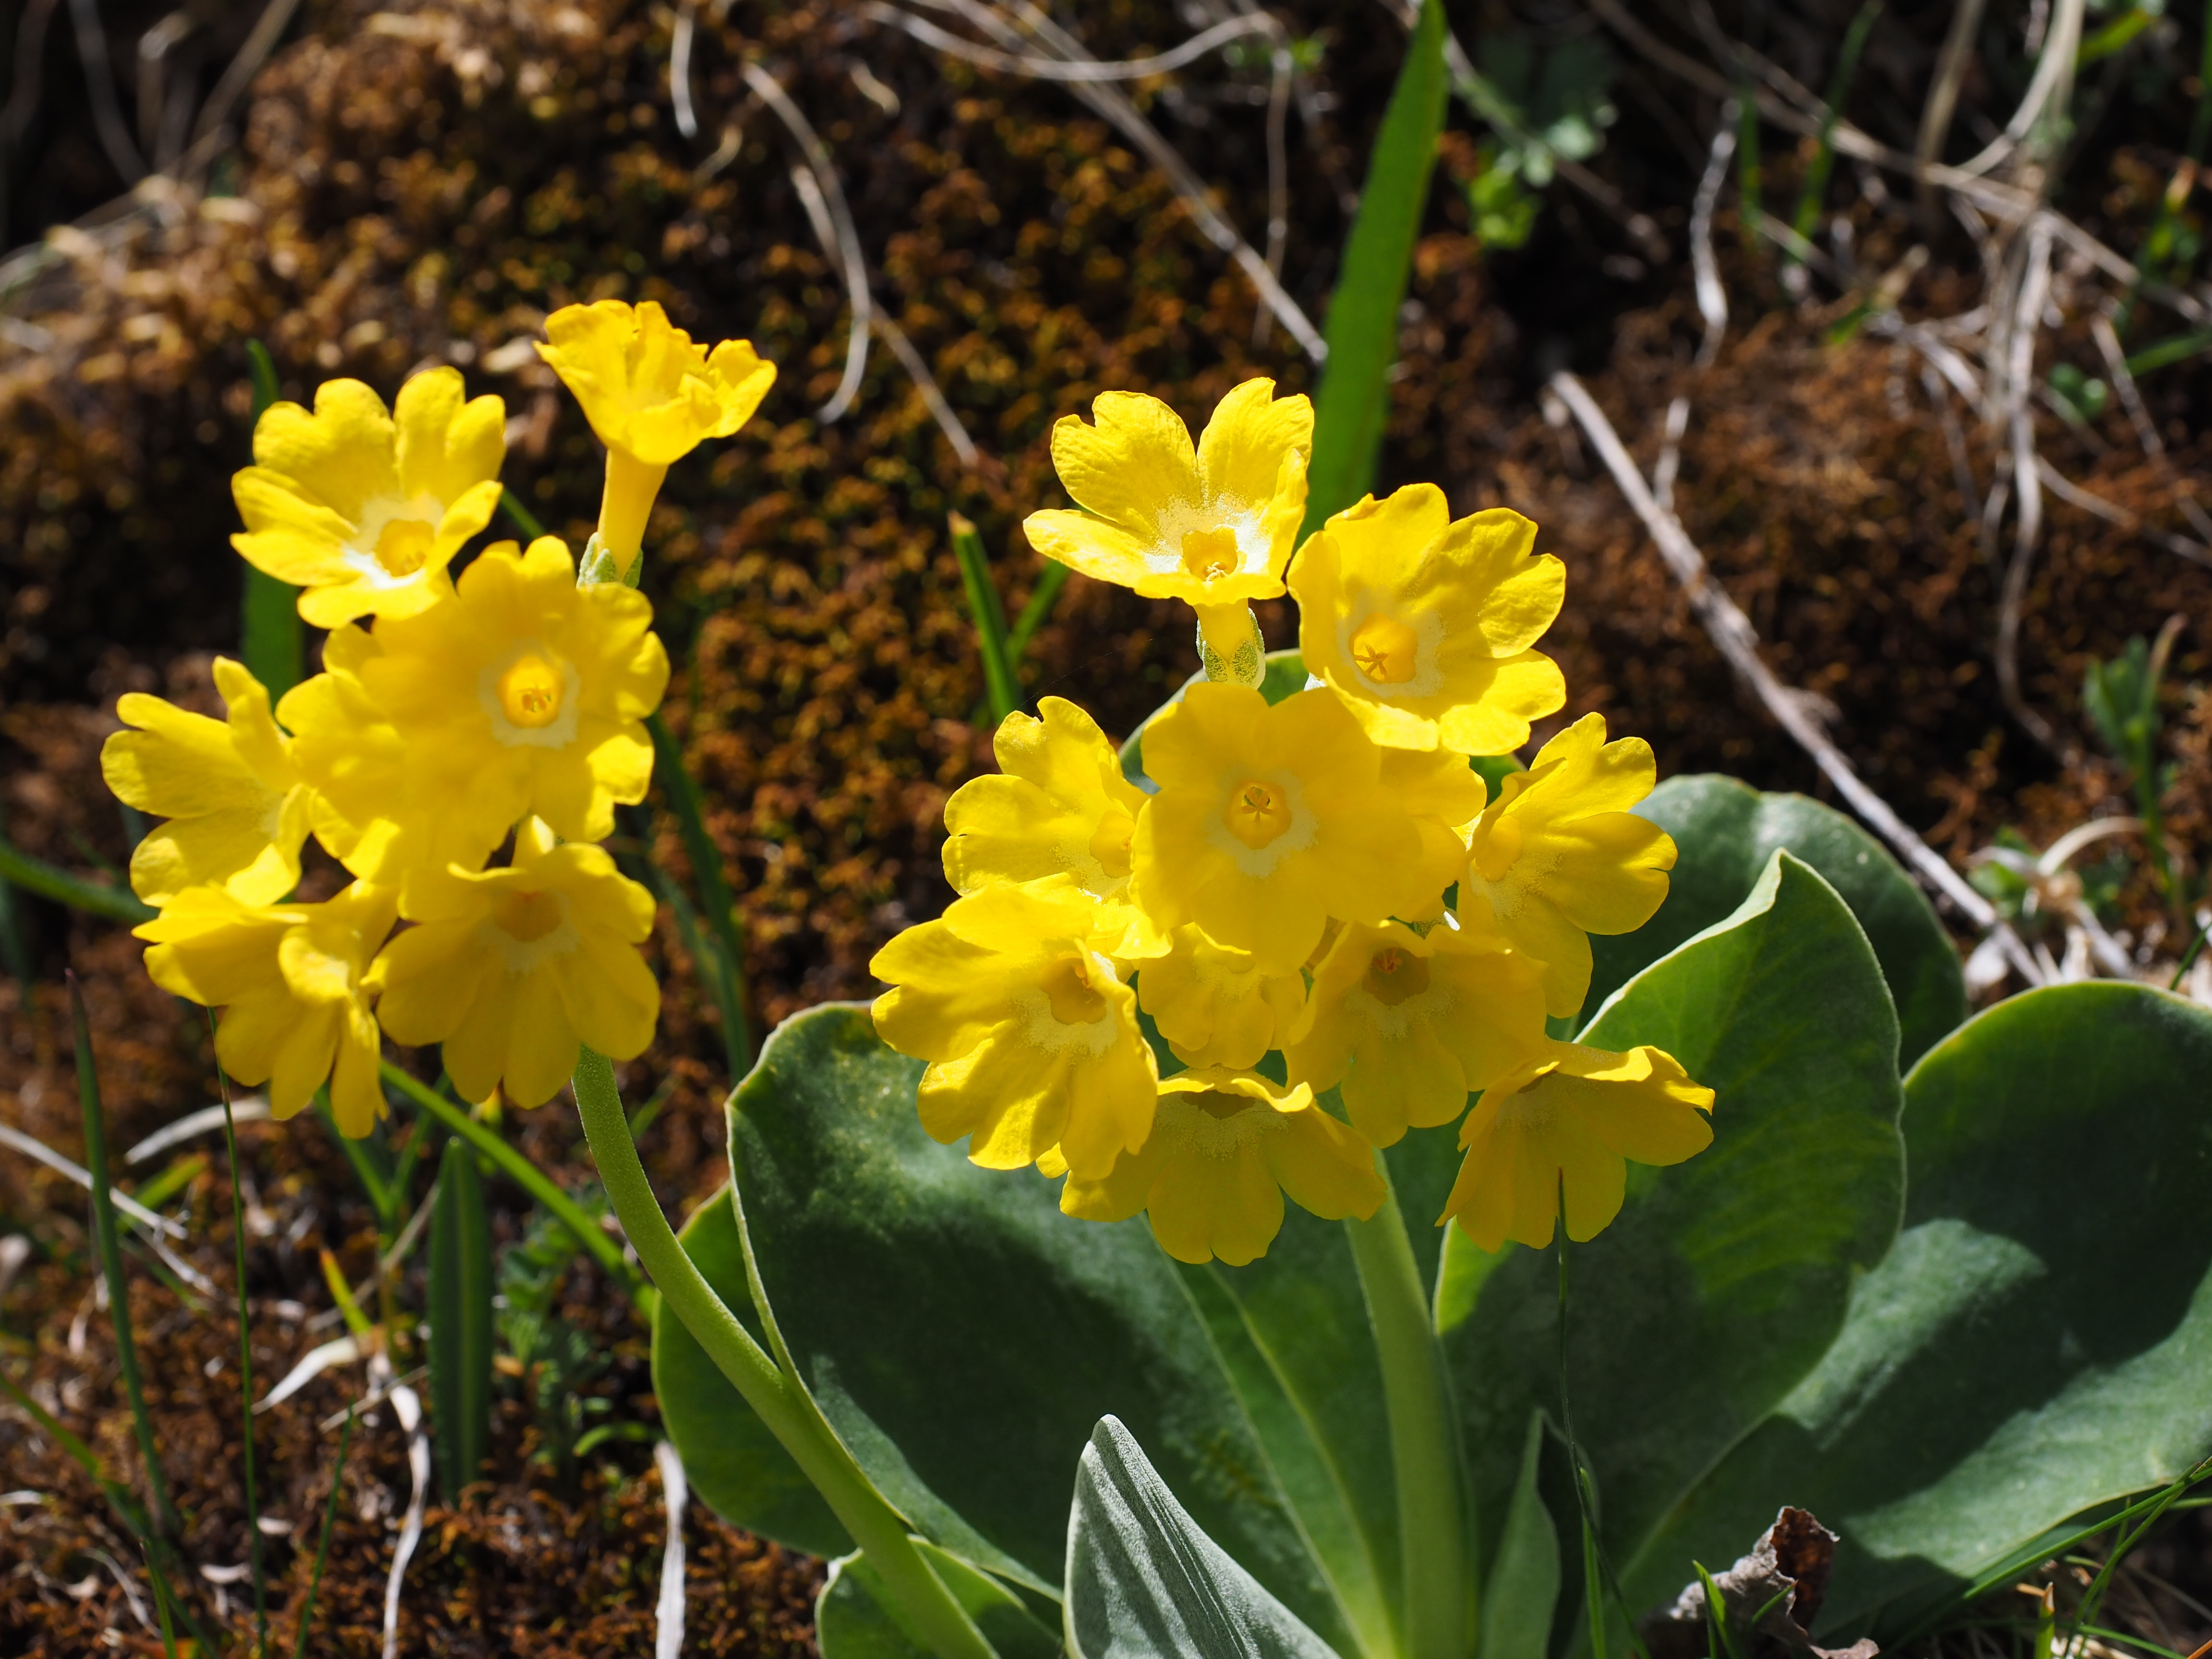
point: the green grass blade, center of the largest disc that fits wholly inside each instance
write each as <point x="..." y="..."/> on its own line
<point x="1750" y="176"/>
<point x="460" y="1320"/>
<point x="14" y="949"/>
<point x="2189" y="958"/>
<point x="1038" y="611"/>
<point x="713" y="967"/>
<point x="524" y="520"/>
<point x="2176" y="349"/>
<point x="161" y="1601"/>
<point x="245" y="1360"/>
<point x="719" y="905"/>
<point x="1353" y="403"/>
<point x="990" y="619"/>
<point x="271" y="638"/>
<point x="1808" y="216"/>
<point x="323" y="1545"/>
<point x="111" y="1257"/>
<point x="36" y="876"/>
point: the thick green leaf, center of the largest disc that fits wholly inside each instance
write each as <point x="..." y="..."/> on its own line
<point x="853" y="1619"/>
<point x="1285" y="673"/>
<point x="1353" y="406"/>
<point x="1726" y="831"/>
<point x="460" y="1319"/>
<point x="1724" y="1279"/>
<point x="1144" y="1580"/>
<point x="963" y="1337"/>
<point x="1523" y="1591"/>
<point x="2038" y="1340"/>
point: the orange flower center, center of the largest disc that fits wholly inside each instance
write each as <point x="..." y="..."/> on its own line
<point x="1384" y="648"/>
<point x="1257" y="813"/>
<point x="1393" y="975"/>
<point x="527" y="916"/>
<point x="403" y="546"/>
<point x="530" y="692"/>
<point x="1210" y="554"/>
<point x="1074" y="999"/>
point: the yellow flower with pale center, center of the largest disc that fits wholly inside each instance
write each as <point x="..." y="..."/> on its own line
<point x="238" y="812"/>
<point x="291" y="980"/>
<point x="1224" y="1148"/>
<point x="1031" y="1034"/>
<point x="1443" y="795"/>
<point x="1214" y="1005"/>
<point x="1212" y="526"/>
<point x="1409" y="1026"/>
<point x="1566" y="1124"/>
<point x="653" y="394"/>
<point x="1269" y="820"/>
<point x="362" y="509"/>
<point x="1558" y="856"/>
<point x="512" y="969"/>
<point x="526" y="694"/>
<point x="1423" y="625"/>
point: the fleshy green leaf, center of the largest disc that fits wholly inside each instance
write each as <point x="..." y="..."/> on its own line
<point x="1725" y="832"/>
<point x="1524" y="1588"/>
<point x="2038" y="1340"/>
<point x="852" y="1620"/>
<point x="1144" y="1579"/>
<point x="1724" y="1279"/>
<point x="460" y="1319"/>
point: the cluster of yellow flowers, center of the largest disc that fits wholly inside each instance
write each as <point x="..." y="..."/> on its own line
<point x="454" y="721"/>
<point x="1319" y="893"/>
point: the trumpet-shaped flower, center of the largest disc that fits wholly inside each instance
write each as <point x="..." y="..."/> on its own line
<point x="1565" y="1124"/>
<point x="512" y="969"/>
<point x="237" y="810"/>
<point x="1409" y="1026"/>
<point x="1558" y="856"/>
<point x="1224" y="1148"/>
<point x="1214" y="1005"/>
<point x="1212" y="526"/>
<point x="1031" y="1035"/>
<point x="291" y="980"/>
<point x="653" y="394"/>
<point x="1425" y="626"/>
<point x="527" y="694"/>
<point x="1061" y="809"/>
<point x="1269" y="821"/>
<point x="362" y="509"/>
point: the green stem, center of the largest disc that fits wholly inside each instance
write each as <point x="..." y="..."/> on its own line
<point x="775" y="1399"/>
<point x="244" y="1362"/>
<point x="1438" y="1607"/>
<point x="37" y="875"/>
<point x="527" y="1176"/>
<point x="323" y="1546"/>
<point x="990" y="619"/>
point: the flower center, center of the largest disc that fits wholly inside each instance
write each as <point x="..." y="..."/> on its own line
<point x="530" y="692"/>
<point x="527" y="917"/>
<point x="1210" y="554"/>
<point x="1395" y="975"/>
<point x="1497" y="848"/>
<point x="1109" y="843"/>
<point x="403" y="547"/>
<point x="1074" y="999"/>
<point x="1384" y="648"/>
<point x="1257" y="813"/>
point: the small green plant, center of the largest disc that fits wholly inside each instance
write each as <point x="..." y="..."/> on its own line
<point x="2120" y="697"/>
<point x="552" y="1362"/>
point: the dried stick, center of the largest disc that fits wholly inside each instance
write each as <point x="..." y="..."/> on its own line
<point x="1732" y="632"/>
<point x="2020" y="368"/>
<point x="2116" y="367"/>
<point x="99" y="88"/>
<point x="2054" y="75"/>
<point x="1943" y="99"/>
<point x="268" y="29"/>
<point x="1060" y="69"/>
<point x="679" y="69"/>
<point x="1712" y="297"/>
<point x="1280" y="67"/>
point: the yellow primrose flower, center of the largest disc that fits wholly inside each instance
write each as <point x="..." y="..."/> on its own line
<point x="1423" y="625"/>
<point x="1224" y="1148"/>
<point x="1411" y="1025"/>
<point x="1558" y="856"/>
<point x="526" y="694"/>
<point x="361" y="509"/>
<point x="1214" y="1005"/>
<point x="1444" y="796"/>
<point x="1212" y="526"/>
<point x="1061" y="809"/>
<point x="237" y="810"/>
<point x="291" y="981"/>
<point x="512" y="969"/>
<point x="1269" y="820"/>
<point x="1031" y="1035"/>
<point x="653" y="394"/>
<point x="1571" y="1117"/>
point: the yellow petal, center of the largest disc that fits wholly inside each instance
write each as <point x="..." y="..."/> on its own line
<point x="1241" y="453"/>
<point x="447" y="447"/>
<point x="342" y="455"/>
<point x="1131" y="465"/>
<point x="1325" y="1166"/>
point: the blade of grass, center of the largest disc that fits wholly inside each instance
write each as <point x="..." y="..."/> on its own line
<point x="37" y="875"/>
<point x="990" y="617"/>
<point x="1719" y="1636"/>
<point x="1038" y="611"/>
<point x="460" y="1320"/>
<point x="713" y="967"/>
<point x="15" y="950"/>
<point x="270" y="636"/>
<point x="532" y="1180"/>
<point x="2176" y="349"/>
<point x="681" y="790"/>
<point x="375" y="1182"/>
<point x="2189" y="958"/>
<point x="322" y="1545"/>
<point x="357" y="1322"/>
<point x="1807" y="219"/>
<point x="111" y="1257"/>
<point x="161" y="1601"/>
<point x="524" y="520"/>
<point x="1750" y="176"/>
<point x="2171" y="200"/>
<point x="245" y="1359"/>
<point x="1353" y="405"/>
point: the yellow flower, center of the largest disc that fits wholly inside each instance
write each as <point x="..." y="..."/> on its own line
<point x="363" y="510"/>
<point x="653" y="395"/>
<point x="1558" y="856"/>
<point x="1031" y="1036"/>
<point x="1225" y="1147"/>
<point x="1213" y="1005"/>
<point x="1212" y="526"/>
<point x="512" y="969"/>
<point x="1062" y="809"/>
<point x="1411" y="1025"/>
<point x="1268" y="821"/>
<point x="1571" y="1117"/>
<point x="1424" y="626"/>
<point x="237" y="810"/>
<point x="526" y="694"/>
<point x="1444" y="796"/>
<point x="290" y="978"/>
